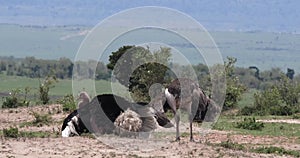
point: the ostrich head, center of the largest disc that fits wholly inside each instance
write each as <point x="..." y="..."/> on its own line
<point x="83" y="98"/>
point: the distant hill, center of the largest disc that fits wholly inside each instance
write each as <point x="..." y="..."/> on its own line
<point x="234" y="15"/>
<point x="263" y="49"/>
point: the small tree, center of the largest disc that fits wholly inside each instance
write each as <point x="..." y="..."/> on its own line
<point x="289" y="91"/>
<point x="280" y="99"/>
<point x="44" y="88"/>
<point x="266" y="100"/>
<point x="138" y="68"/>
<point x="234" y="89"/>
<point x="68" y="103"/>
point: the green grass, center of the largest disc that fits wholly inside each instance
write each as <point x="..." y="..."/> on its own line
<point x="270" y="129"/>
<point x="13" y="82"/>
<point x="276" y="150"/>
<point x="62" y="88"/>
<point x="39" y="134"/>
<point x="231" y="145"/>
<point x="13" y="132"/>
<point x="263" y="149"/>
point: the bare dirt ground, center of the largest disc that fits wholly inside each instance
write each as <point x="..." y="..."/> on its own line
<point x="86" y="146"/>
<point x="281" y="121"/>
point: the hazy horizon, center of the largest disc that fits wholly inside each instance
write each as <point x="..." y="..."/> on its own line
<point x="218" y="15"/>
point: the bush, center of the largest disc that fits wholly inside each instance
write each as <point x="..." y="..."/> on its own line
<point x="267" y="99"/>
<point x="45" y="87"/>
<point x="15" y="100"/>
<point x="250" y="124"/>
<point x="231" y="145"/>
<point x="247" y="110"/>
<point x="234" y="89"/>
<point x="12" y="132"/>
<point x="41" y="119"/>
<point x="281" y="99"/>
<point x="68" y="103"/>
<point x="281" y="110"/>
<point x="296" y="116"/>
<point x="289" y="91"/>
<point x="276" y="150"/>
<point x="10" y="102"/>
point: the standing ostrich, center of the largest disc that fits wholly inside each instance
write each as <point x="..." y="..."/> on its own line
<point x="185" y="94"/>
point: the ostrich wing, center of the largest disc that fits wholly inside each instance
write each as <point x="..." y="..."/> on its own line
<point x="145" y="111"/>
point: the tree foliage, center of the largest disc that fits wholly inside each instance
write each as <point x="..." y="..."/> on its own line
<point x="234" y="88"/>
<point x="61" y="68"/>
<point x="138" y="68"/>
<point x="281" y="99"/>
<point x="68" y="103"/>
<point x="44" y="88"/>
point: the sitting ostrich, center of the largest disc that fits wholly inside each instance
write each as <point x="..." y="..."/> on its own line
<point x="73" y="124"/>
<point x="101" y="113"/>
<point x="185" y="94"/>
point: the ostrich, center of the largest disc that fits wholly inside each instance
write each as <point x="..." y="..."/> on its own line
<point x="101" y="113"/>
<point x="83" y="99"/>
<point x="128" y="122"/>
<point x="73" y="124"/>
<point x="143" y="119"/>
<point x="185" y="94"/>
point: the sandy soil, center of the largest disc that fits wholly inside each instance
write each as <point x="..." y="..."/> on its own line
<point x="108" y="146"/>
<point x="295" y="121"/>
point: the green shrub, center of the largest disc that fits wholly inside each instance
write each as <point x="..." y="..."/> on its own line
<point x="289" y="91"/>
<point x="12" y="132"/>
<point x="15" y="99"/>
<point x="250" y="124"/>
<point x="234" y="88"/>
<point x="68" y="103"/>
<point x="41" y="119"/>
<point x="296" y="116"/>
<point x="263" y="101"/>
<point x="281" y="110"/>
<point x="44" y="88"/>
<point x="280" y="99"/>
<point x="231" y="145"/>
<point x="247" y="110"/>
<point x="10" y="102"/>
<point x="276" y="150"/>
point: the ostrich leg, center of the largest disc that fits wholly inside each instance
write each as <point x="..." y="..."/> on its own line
<point x="177" y="119"/>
